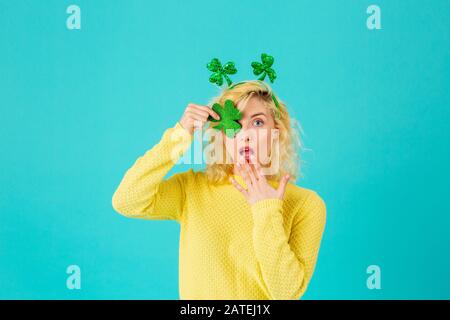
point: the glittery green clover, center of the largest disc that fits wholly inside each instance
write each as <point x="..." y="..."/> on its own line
<point x="220" y="72"/>
<point x="264" y="68"/>
<point x="229" y="116"/>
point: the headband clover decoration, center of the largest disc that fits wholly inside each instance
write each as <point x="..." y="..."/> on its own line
<point x="220" y="72"/>
<point x="264" y="68"/>
<point x="229" y="114"/>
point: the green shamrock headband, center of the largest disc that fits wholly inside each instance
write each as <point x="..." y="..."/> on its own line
<point x="229" y="114"/>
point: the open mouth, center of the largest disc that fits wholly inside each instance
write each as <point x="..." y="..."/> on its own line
<point x="246" y="151"/>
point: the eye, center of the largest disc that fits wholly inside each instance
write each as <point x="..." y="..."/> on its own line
<point x="258" y="122"/>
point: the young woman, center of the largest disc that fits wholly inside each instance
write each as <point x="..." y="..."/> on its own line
<point x="246" y="232"/>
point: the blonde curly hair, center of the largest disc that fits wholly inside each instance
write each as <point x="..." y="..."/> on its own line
<point x="289" y="137"/>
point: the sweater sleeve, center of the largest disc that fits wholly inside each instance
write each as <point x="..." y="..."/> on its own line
<point x="143" y="192"/>
<point x="287" y="262"/>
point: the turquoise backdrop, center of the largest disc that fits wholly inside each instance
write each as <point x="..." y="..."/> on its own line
<point x="77" y="107"/>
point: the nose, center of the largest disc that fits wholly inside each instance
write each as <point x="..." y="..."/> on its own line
<point x="245" y="135"/>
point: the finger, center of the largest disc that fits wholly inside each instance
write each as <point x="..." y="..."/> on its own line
<point x="261" y="175"/>
<point x="199" y="112"/>
<point x="239" y="169"/>
<point x="251" y="173"/>
<point x="240" y="160"/>
<point x="211" y="112"/>
<point x="256" y="168"/>
<point x="239" y="187"/>
<point x="208" y="110"/>
<point x="246" y="176"/>
<point x="195" y="116"/>
<point x="282" y="186"/>
<point x="253" y="160"/>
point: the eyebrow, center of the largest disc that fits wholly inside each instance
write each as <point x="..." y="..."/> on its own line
<point x="257" y="114"/>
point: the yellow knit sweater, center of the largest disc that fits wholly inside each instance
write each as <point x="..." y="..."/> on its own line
<point x="228" y="248"/>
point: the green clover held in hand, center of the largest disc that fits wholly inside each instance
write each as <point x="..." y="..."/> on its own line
<point x="264" y="68"/>
<point x="229" y="116"/>
<point x="220" y="72"/>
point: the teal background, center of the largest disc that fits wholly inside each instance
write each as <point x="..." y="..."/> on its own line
<point x="77" y="107"/>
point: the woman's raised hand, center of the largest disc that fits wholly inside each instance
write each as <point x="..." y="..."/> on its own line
<point x="195" y="116"/>
<point x="257" y="186"/>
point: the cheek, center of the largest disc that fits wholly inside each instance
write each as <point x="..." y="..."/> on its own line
<point x="263" y="144"/>
<point x="230" y="146"/>
<point x="264" y="139"/>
